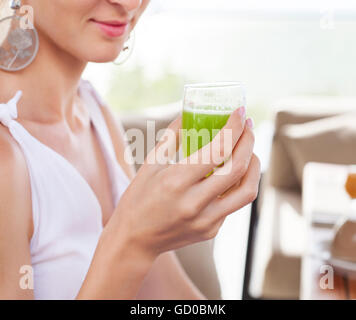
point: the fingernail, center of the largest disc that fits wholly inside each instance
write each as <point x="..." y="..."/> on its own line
<point x="249" y="123"/>
<point x="242" y="112"/>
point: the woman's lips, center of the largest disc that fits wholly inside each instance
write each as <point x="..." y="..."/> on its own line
<point x="112" y="29"/>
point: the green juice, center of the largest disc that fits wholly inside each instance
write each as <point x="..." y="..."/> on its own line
<point x="200" y="126"/>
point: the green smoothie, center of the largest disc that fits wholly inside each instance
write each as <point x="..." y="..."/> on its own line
<point x="201" y="126"/>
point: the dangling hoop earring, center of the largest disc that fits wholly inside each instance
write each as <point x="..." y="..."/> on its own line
<point x="18" y="46"/>
<point x="126" y="52"/>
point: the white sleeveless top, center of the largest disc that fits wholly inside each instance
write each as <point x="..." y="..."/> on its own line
<point x="67" y="215"/>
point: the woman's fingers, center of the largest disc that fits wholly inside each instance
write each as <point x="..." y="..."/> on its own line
<point x="166" y="148"/>
<point x="238" y="197"/>
<point x="231" y="172"/>
<point x="200" y="163"/>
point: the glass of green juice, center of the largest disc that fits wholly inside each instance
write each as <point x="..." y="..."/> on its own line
<point x="206" y="109"/>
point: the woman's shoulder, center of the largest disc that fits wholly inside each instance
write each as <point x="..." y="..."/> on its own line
<point x="10" y="151"/>
<point x="14" y="177"/>
<point x="15" y="190"/>
<point x="13" y="167"/>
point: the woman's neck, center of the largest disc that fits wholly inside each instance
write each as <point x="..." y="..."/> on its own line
<point x="49" y="84"/>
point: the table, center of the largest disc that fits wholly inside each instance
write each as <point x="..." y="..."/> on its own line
<point x="324" y="202"/>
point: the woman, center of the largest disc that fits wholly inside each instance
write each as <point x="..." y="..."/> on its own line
<point x="67" y="207"/>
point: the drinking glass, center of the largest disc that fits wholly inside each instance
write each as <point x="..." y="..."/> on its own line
<point x="206" y="109"/>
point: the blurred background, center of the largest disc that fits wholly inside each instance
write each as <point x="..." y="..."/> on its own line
<point x="277" y="47"/>
<point x="287" y="52"/>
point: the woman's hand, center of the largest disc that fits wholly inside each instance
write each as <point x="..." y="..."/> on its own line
<point x="168" y="206"/>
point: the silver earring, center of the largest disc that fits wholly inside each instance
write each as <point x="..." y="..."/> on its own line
<point x="126" y="52"/>
<point x="18" y="45"/>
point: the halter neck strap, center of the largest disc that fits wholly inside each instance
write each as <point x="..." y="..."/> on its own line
<point x="8" y="111"/>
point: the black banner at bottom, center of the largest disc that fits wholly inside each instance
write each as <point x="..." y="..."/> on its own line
<point x="151" y="310"/>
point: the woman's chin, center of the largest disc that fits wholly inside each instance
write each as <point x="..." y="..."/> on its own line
<point x="103" y="58"/>
<point x="104" y="54"/>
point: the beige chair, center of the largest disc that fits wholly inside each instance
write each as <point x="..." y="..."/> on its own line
<point x="305" y="130"/>
<point x="196" y="259"/>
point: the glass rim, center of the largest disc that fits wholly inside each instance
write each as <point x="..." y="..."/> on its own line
<point x="215" y="85"/>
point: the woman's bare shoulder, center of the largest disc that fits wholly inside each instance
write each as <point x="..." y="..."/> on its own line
<point x="15" y="192"/>
<point x="11" y="159"/>
<point x="16" y="227"/>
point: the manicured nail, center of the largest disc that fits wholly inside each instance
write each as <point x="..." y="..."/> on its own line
<point x="242" y="112"/>
<point x="249" y="123"/>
